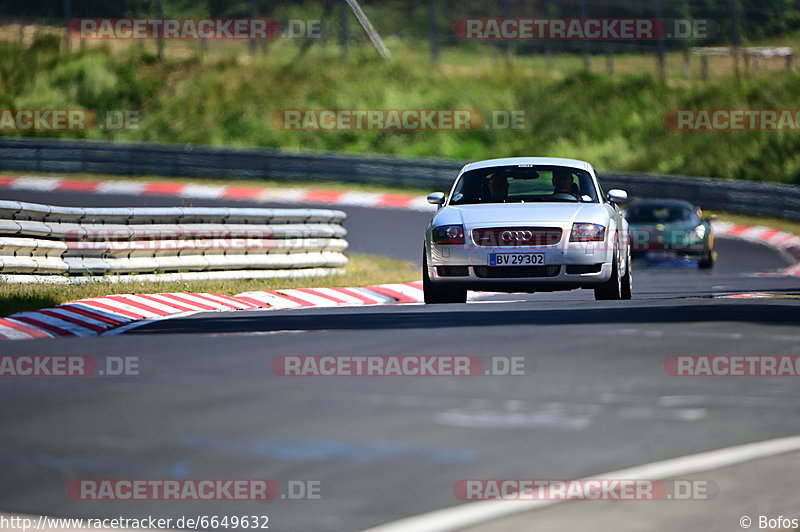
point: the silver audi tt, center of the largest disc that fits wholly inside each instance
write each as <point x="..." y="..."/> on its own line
<point x="526" y="224"/>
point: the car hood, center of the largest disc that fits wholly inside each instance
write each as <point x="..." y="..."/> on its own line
<point x="663" y="227"/>
<point x="522" y="213"/>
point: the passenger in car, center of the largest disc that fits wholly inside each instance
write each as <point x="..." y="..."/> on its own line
<point x="562" y="183"/>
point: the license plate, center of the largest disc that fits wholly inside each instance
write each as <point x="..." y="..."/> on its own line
<point x="516" y="259"/>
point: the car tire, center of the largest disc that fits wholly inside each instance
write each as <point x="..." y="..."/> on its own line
<point x="612" y="289"/>
<point x="707" y="262"/>
<point x="435" y="295"/>
<point x="627" y="280"/>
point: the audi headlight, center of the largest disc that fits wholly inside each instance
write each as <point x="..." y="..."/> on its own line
<point x="582" y="232"/>
<point x="448" y="234"/>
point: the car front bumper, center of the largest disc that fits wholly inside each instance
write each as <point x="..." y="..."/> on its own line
<point x="692" y="253"/>
<point x="560" y="271"/>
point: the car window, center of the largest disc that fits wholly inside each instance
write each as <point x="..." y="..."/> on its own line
<point x="661" y="214"/>
<point x="524" y="183"/>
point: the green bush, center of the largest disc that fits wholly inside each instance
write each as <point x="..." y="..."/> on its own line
<point x="615" y="122"/>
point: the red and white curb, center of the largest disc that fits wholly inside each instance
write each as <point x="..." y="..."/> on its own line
<point x="760" y="295"/>
<point x="786" y="243"/>
<point x="115" y="313"/>
<point x="260" y="194"/>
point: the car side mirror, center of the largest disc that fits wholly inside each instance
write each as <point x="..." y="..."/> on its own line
<point x="436" y="198"/>
<point x="616" y="195"/>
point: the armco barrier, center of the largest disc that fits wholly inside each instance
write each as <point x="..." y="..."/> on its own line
<point x="39" y="240"/>
<point x="69" y="156"/>
<point x="739" y="197"/>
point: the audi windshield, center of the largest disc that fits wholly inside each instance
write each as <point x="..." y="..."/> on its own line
<point x="659" y="213"/>
<point x="521" y="184"/>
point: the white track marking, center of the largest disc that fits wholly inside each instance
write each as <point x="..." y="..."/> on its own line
<point x="35" y="183"/>
<point x="164" y="306"/>
<point x="349" y="299"/>
<point x="117" y="305"/>
<point x="283" y="195"/>
<point x="77" y="330"/>
<point x="376" y="297"/>
<point x="410" y="291"/>
<point x="194" y="301"/>
<point x="115" y="187"/>
<point x="359" y="199"/>
<point x="69" y="314"/>
<point x="202" y="191"/>
<point x="317" y="300"/>
<point x="10" y="333"/>
<point x="474" y="513"/>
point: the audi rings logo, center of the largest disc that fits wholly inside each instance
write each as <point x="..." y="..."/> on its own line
<point x="516" y="236"/>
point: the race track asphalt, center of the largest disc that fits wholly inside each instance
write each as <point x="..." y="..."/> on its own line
<point x="207" y="405"/>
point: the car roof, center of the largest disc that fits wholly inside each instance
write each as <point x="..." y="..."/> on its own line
<point x="545" y="161"/>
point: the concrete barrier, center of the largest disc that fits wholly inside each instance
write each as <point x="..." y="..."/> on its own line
<point x="46" y="240"/>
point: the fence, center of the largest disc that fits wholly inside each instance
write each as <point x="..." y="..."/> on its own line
<point x="175" y="242"/>
<point x="429" y="26"/>
<point x="65" y="156"/>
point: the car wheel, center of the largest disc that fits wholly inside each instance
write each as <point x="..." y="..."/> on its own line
<point x="436" y="294"/>
<point x="707" y="262"/>
<point x="627" y="280"/>
<point x="611" y="289"/>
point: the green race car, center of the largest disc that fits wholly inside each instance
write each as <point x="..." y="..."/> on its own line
<point x="670" y="230"/>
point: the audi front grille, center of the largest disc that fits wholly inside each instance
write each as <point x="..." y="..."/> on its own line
<point x="517" y="236"/>
<point x="508" y="272"/>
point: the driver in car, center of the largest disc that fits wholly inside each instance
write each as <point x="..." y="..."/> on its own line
<point x="497" y="188"/>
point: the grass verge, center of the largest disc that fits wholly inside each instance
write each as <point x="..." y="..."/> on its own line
<point x="615" y="121"/>
<point x="362" y="270"/>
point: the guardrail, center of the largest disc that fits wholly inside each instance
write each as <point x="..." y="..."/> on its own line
<point x="45" y="240"/>
<point x="52" y="155"/>
<point x="729" y="195"/>
<point x="71" y="156"/>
